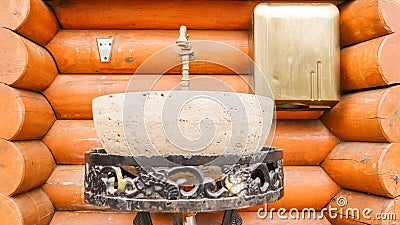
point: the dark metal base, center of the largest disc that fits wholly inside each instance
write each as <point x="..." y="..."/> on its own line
<point x="142" y="218"/>
<point x="161" y="184"/>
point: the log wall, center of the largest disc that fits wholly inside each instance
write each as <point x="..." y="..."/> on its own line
<point x="25" y="69"/>
<point x="366" y="117"/>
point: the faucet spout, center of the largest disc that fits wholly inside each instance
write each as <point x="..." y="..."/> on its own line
<point x="186" y="55"/>
<point x="182" y="39"/>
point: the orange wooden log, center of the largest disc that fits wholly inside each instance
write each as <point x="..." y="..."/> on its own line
<point x="371" y="116"/>
<point x="65" y="188"/>
<point x="305" y="187"/>
<point x="25" y="165"/>
<point x="299" y="114"/>
<point x="366" y="167"/>
<point x="25" y="115"/>
<point x="371" y="64"/>
<point x="375" y="209"/>
<point x="214" y="218"/>
<point x="76" y="51"/>
<point x="30" y="18"/>
<point x="122" y="14"/>
<point x="68" y="140"/>
<point x="71" y="95"/>
<point x="24" y="64"/>
<point x="305" y="142"/>
<point x="31" y="208"/>
<point x="363" y="20"/>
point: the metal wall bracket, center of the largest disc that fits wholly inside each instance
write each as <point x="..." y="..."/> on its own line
<point x="105" y="47"/>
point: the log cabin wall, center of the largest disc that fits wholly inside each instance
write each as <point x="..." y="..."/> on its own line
<point x="47" y="109"/>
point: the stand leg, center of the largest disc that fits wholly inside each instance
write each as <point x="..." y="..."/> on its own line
<point x="231" y="217"/>
<point x="142" y="218"/>
<point x="177" y="219"/>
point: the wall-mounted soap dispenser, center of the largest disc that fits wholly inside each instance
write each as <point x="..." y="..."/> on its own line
<point x="296" y="48"/>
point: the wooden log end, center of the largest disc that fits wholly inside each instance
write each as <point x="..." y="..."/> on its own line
<point x="14" y="13"/>
<point x="371" y="63"/>
<point x="389" y="58"/>
<point x="25" y="115"/>
<point x="31" y="18"/>
<point x="31" y="208"/>
<point x="346" y="201"/>
<point x="25" y="165"/>
<point x="388" y="114"/>
<point x="365" y="167"/>
<point x="390" y="171"/>
<point x="363" y="20"/>
<point x="14" y="56"/>
<point x="371" y="116"/>
<point x="390" y="11"/>
<point x="24" y="64"/>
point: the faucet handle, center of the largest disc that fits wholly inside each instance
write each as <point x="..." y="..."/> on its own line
<point x="182" y="35"/>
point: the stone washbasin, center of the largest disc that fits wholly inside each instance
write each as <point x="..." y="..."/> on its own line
<point x="183" y="123"/>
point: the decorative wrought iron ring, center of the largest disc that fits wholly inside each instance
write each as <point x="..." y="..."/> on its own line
<point x="120" y="182"/>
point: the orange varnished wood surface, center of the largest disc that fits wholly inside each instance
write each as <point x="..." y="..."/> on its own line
<point x="304" y="142"/>
<point x="366" y="167"/>
<point x="123" y="14"/>
<point x="24" y="64"/>
<point x="356" y="200"/>
<point x="25" y="115"/>
<point x="68" y="140"/>
<point x="30" y="208"/>
<point x="76" y="51"/>
<point x="371" y="116"/>
<point x="371" y="63"/>
<point x="24" y="165"/>
<point x="363" y="20"/>
<point x="30" y="18"/>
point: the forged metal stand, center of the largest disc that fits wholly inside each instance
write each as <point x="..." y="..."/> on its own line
<point x="177" y="184"/>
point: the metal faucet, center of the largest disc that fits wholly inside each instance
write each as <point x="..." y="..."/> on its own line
<point x="186" y="55"/>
